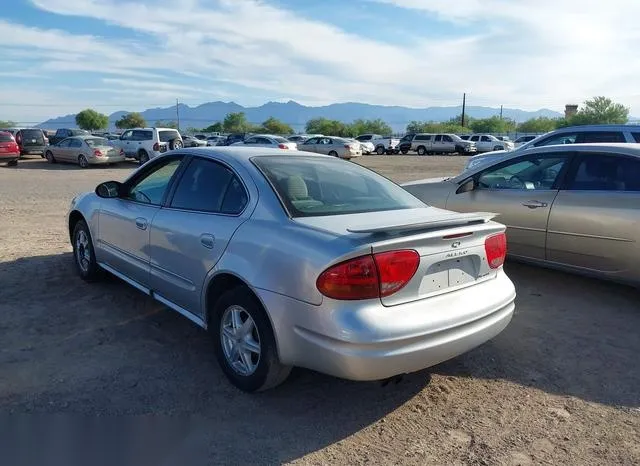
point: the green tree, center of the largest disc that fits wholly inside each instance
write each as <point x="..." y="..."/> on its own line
<point x="167" y="124"/>
<point x="214" y="128"/>
<point x="329" y="127"/>
<point x="91" y="120"/>
<point x="494" y="124"/>
<point x="7" y="124"/>
<point x="436" y="127"/>
<point x="131" y="120"/>
<point x="377" y="126"/>
<point x="236" y="123"/>
<point x="538" y="125"/>
<point x="274" y="126"/>
<point x="601" y="110"/>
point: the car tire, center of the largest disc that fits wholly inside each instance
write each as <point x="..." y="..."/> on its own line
<point x="245" y="370"/>
<point x="143" y="157"/>
<point x="333" y="153"/>
<point x="49" y="156"/>
<point x="83" y="253"/>
<point x="421" y="151"/>
<point x="380" y="150"/>
<point x="404" y="151"/>
<point x="83" y="162"/>
<point x="498" y="148"/>
<point x="12" y="163"/>
<point x="175" y="144"/>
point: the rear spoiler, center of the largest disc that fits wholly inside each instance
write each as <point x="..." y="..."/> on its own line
<point x="434" y="223"/>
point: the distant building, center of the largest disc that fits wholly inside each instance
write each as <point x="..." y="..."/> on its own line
<point x="570" y="110"/>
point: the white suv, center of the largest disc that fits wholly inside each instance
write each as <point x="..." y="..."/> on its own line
<point x="488" y="143"/>
<point x="144" y="144"/>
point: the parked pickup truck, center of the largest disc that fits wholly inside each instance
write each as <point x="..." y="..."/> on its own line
<point x="424" y="143"/>
<point x="488" y="143"/>
<point x="64" y="133"/>
<point x="383" y="145"/>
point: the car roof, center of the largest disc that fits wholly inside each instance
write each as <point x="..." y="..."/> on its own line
<point x="243" y="154"/>
<point x="629" y="148"/>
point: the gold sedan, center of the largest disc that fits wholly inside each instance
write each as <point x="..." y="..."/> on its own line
<point x="574" y="207"/>
<point x="334" y="146"/>
<point x="84" y="150"/>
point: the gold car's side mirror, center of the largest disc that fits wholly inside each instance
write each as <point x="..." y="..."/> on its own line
<point x="466" y="186"/>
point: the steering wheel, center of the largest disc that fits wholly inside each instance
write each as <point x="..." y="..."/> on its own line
<point x="516" y="183"/>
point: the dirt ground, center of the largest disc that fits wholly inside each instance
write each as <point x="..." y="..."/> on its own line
<point x="561" y="385"/>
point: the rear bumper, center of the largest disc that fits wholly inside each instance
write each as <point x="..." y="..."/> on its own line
<point x="9" y="157"/>
<point x="105" y="160"/>
<point x="367" y="341"/>
<point x="33" y="150"/>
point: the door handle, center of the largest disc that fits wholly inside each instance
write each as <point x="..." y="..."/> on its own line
<point x="207" y="240"/>
<point x="141" y="223"/>
<point x="534" y="204"/>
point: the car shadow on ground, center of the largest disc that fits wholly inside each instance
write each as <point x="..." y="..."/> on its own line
<point x="105" y="348"/>
<point x="570" y="335"/>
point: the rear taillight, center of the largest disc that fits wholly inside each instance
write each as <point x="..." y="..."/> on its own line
<point x="495" y="247"/>
<point x="283" y="146"/>
<point x="367" y="277"/>
<point x="156" y="147"/>
<point x="97" y="153"/>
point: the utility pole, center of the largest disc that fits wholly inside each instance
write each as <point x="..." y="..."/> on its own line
<point x="501" y="112"/>
<point x="464" y="105"/>
<point x="178" y="114"/>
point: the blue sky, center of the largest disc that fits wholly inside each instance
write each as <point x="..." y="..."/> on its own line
<point x="60" y="56"/>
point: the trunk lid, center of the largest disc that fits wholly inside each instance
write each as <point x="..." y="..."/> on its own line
<point x="451" y="245"/>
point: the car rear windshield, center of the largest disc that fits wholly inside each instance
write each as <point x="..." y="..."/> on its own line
<point x="96" y="142"/>
<point x="77" y="132"/>
<point x="4" y="137"/>
<point x="168" y="135"/>
<point x="281" y="140"/>
<point x="32" y="134"/>
<point x="318" y="186"/>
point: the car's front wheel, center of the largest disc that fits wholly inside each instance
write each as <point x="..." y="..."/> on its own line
<point x="83" y="253"/>
<point x="380" y="150"/>
<point x="49" y="156"/>
<point x="244" y="342"/>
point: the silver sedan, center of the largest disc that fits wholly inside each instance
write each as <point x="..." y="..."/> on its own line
<point x="296" y="259"/>
<point x="573" y="207"/>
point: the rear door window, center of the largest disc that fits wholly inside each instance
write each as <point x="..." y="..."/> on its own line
<point x="636" y="136"/>
<point x="204" y="186"/>
<point x="168" y="135"/>
<point x="600" y="136"/>
<point x="75" y="143"/>
<point x="5" y="138"/>
<point x="606" y="172"/>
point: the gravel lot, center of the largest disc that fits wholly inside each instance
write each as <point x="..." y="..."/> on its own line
<point x="560" y="385"/>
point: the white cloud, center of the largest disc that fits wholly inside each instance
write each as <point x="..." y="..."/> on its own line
<point x="521" y="53"/>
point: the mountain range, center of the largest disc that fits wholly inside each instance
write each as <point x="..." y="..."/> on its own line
<point x="296" y="115"/>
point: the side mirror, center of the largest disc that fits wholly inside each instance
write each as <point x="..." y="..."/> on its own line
<point x="467" y="186"/>
<point x="109" y="189"/>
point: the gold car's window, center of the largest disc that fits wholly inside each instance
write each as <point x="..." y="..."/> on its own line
<point x="533" y="173"/>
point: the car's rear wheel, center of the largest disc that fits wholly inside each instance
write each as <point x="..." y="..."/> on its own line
<point x="380" y="150"/>
<point x="244" y="342"/>
<point x="83" y="162"/>
<point x="49" y="156"/>
<point x="421" y="150"/>
<point x="333" y="153"/>
<point x="143" y="157"/>
<point x="83" y="253"/>
<point x="12" y="163"/>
